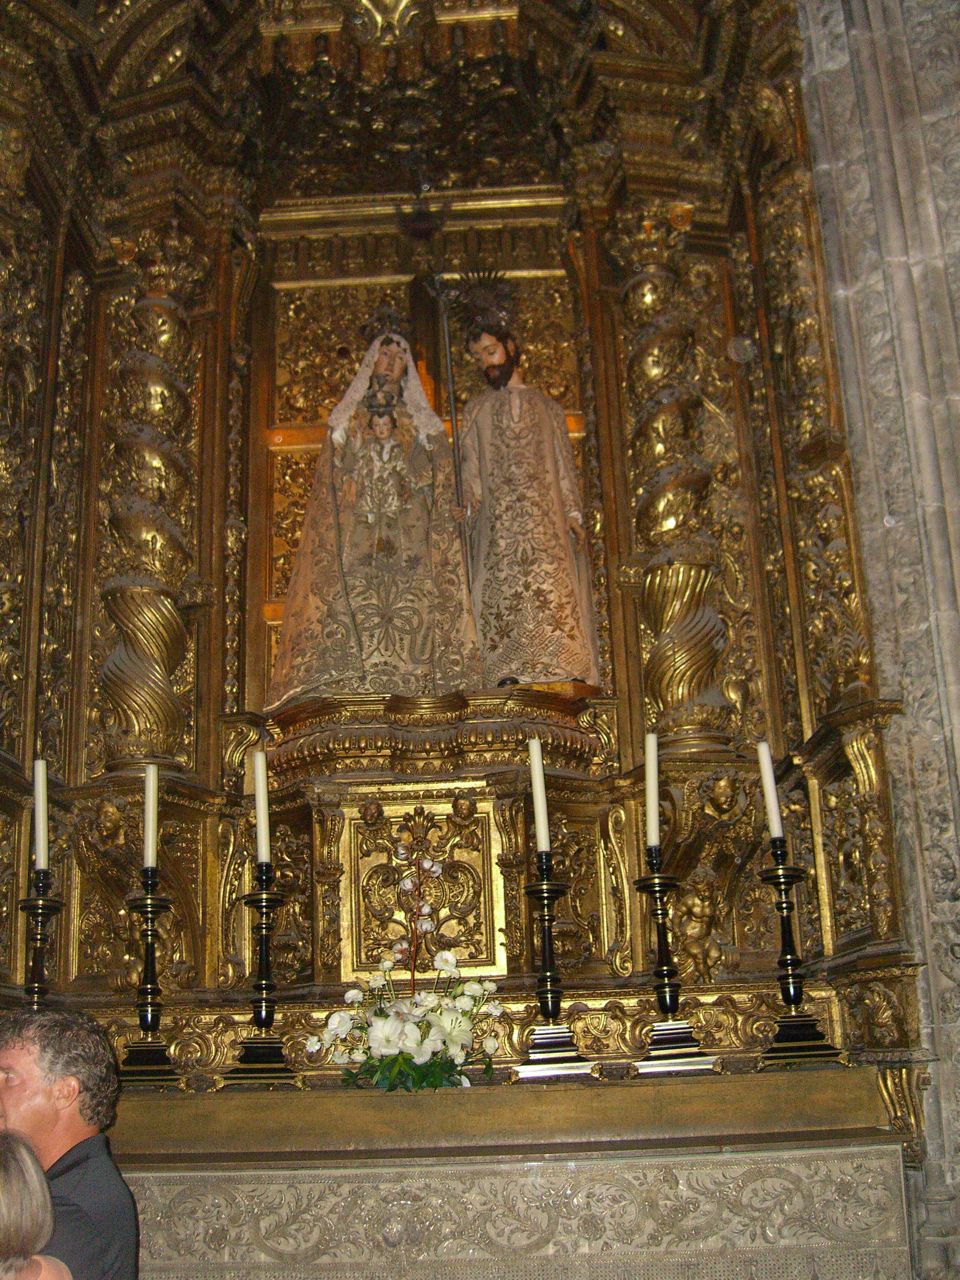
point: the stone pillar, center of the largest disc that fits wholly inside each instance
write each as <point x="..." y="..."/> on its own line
<point x="882" y="92"/>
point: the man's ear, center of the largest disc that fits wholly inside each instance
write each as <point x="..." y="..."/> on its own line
<point x="66" y="1091"/>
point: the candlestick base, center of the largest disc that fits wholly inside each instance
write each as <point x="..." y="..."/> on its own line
<point x="553" y="1052"/>
<point x="147" y="1062"/>
<point x="673" y="1047"/>
<point x="261" y="1062"/>
<point x="798" y="1041"/>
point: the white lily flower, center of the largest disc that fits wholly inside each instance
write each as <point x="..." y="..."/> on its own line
<point x="445" y="962"/>
<point x="490" y="1045"/>
<point x="459" y="1056"/>
<point x="339" y="1023"/>
<point x="488" y="986"/>
<point x="353" y="996"/>
<point x="312" y="1044"/>
<point x="384" y="1035"/>
<point x="378" y="981"/>
<point x="474" y="989"/>
<point x="494" y="1008"/>
<point x="464" y="1082"/>
<point x="465" y="1003"/>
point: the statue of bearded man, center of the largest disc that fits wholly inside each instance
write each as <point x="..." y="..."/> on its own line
<point x="531" y="577"/>
<point x="377" y="601"/>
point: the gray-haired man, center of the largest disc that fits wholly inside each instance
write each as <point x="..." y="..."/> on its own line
<point x="59" y="1088"/>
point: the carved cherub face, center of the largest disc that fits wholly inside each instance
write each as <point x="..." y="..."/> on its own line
<point x="723" y="794"/>
<point x="109" y="820"/>
<point x="463" y="808"/>
<point x="371" y="812"/>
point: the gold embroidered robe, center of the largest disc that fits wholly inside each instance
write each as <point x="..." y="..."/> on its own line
<point x="377" y="601"/>
<point x="531" y="584"/>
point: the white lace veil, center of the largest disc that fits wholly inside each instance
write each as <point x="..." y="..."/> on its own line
<point x="414" y="397"/>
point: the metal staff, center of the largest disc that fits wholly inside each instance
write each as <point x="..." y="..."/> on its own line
<point x="439" y="292"/>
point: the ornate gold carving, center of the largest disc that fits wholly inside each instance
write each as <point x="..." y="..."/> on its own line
<point x="22" y="299"/>
<point x="338" y="133"/>
<point x="408" y="737"/>
<point x="456" y="883"/>
<point x="236" y="525"/>
<point x="61" y="567"/>
<point x="293" y="931"/>
<point x="293" y="475"/>
<point x="901" y="1089"/>
<point x="591" y="930"/>
<point x="235" y="845"/>
<point x="678" y="559"/>
<point x="319" y="345"/>
<point x="107" y="841"/>
<point x="150" y="490"/>
<point x="329" y="822"/>
<point x="512" y="864"/>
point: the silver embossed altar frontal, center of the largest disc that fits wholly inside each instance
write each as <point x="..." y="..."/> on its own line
<point x="835" y="1214"/>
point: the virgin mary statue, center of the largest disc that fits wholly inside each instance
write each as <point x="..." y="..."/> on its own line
<point x="378" y="601"/>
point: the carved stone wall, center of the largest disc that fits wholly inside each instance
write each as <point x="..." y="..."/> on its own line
<point x="882" y="89"/>
<point x="834" y="1215"/>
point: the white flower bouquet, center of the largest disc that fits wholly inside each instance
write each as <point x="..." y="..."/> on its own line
<point x="421" y="1039"/>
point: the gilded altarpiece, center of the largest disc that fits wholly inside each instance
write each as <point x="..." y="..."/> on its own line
<point x="667" y="287"/>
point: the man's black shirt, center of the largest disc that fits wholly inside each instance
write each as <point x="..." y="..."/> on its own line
<point x="94" y="1216"/>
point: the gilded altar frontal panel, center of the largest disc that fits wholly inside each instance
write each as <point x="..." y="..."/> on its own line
<point x="450" y="841"/>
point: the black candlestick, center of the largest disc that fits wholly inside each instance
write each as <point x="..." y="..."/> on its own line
<point x="798" y="1038"/>
<point x="553" y="1051"/>
<point x="149" y="907"/>
<point x="673" y="1046"/>
<point x="261" y="1058"/>
<point x="39" y="909"/>
<point x="147" y="1060"/>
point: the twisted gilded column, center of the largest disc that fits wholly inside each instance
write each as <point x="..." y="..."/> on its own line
<point x="674" y="558"/>
<point x="151" y="503"/>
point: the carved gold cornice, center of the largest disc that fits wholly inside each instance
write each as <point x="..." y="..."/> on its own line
<point x="471" y="733"/>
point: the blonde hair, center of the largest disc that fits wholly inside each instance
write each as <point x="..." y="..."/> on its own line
<point x="26" y="1213"/>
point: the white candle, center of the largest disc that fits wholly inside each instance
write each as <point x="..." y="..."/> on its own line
<point x="770" y="797"/>
<point x="262" y="802"/>
<point x="651" y="789"/>
<point x="151" y="804"/>
<point x="41" y="844"/>
<point x="541" y="821"/>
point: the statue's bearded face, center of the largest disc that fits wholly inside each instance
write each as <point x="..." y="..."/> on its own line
<point x="496" y="360"/>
